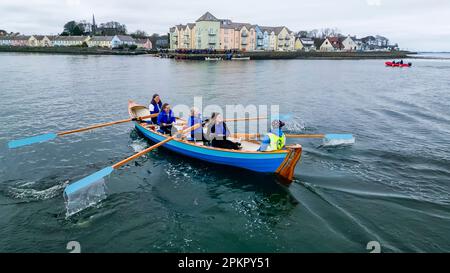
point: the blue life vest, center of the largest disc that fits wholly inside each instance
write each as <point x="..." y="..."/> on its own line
<point x="163" y="117"/>
<point x="156" y="107"/>
<point x="197" y="133"/>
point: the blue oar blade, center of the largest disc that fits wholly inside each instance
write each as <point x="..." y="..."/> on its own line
<point x="31" y="140"/>
<point x="338" y="139"/>
<point x="86" y="192"/>
<point x="87" y="181"/>
<point x="282" y="117"/>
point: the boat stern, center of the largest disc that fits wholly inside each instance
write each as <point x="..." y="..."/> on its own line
<point x="287" y="168"/>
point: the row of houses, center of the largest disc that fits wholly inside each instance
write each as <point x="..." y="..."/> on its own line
<point x="369" y="43"/>
<point x="209" y="32"/>
<point x="61" y="41"/>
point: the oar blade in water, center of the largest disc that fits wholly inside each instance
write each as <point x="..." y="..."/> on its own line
<point x="86" y="192"/>
<point x="31" y="140"/>
<point x="338" y="139"/>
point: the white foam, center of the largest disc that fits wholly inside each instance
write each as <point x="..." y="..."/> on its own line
<point x="337" y="142"/>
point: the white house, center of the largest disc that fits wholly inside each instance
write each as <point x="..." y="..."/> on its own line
<point x="69" y="40"/>
<point x="122" y="40"/>
<point x="5" y="40"/>
<point x="349" y="44"/>
<point x="101" y="41"/>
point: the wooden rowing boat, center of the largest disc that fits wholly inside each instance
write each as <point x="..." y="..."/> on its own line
<point x="280" y="162"/>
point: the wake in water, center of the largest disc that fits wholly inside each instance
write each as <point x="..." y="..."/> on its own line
<point x="31" y="195"/>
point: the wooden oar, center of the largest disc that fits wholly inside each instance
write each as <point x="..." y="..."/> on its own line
<point x="347" y="138"/>
<point x="243" y="119"/>
<point x="46" y="137"/>
<point x="73" y="190"/>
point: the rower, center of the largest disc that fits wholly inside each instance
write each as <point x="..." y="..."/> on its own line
<point x="155" y="106"/>
<point x="275" y="139"/>
<point x="195" y="118"/>
<point x="218" y="132"/>
<point x="166" y="120"/>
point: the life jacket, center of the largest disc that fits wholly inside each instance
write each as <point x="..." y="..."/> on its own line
<point x="276" y="142"/>
<point x="224" y="131"/>
<point x="156" y="107"/>
<point x="197" y="133"/>
<point x="163" y="117"/>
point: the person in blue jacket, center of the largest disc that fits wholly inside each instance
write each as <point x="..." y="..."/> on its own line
<point x="155" y="106"/>
<point x="166" y="119"/>
<point x="195" y="118"/>
<point x="275" y="139"/>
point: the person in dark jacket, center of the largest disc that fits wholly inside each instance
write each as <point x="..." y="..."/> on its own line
<point x="155" y="107"/>
<point x="218" y="132"/>
<point x="166" y="119"/>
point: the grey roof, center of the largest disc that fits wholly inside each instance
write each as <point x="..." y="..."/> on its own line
<point x="125" y="38"/>
<point x="191" y="25"/>
<point x="207" y="17"/>
<point x="70" y="38"/>
<point x="6" y="37"/>
<point x="21" y="37"/>
<point x="236" y="26"/>
<point x="276" y="30"/>
<point x="101" y="38"/>
<point x="172" y="29"/>
<point x="141" y="41"/>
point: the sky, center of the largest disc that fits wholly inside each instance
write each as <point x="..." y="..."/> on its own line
<point x="419" y="25"/>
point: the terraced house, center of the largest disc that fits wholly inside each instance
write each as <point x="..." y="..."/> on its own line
<point x="209" y="32"/>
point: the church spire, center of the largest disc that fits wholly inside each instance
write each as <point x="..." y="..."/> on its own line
<point x="94" y="26"/>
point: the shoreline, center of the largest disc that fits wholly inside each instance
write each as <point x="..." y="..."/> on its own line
<point x="259" y="55"/>
<point x="313" y="55"/>
<point x="75" y="50"/>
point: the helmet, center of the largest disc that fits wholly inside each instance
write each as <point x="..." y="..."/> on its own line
<point x="277" y="124"/>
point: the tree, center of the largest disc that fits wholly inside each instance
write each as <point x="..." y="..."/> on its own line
<point x="73" y="28"/>
<point x="303" y="34"/>
<point x="112" y="28"/>
<point x="313" y="33"/>
<point x="77" y="30"/>
<point x="139" y="34"/>
<point x="153" y="39"/>
<point x="69" y="27"/>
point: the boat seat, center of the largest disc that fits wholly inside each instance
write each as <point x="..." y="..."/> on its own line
<point x="249" y="146"/>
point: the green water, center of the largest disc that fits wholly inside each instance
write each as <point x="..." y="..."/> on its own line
<point x="391" y="186"/>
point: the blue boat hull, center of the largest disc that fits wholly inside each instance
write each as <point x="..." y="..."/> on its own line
<point x="254" y="161"/>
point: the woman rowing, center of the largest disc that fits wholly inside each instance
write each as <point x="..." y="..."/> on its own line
<point x="275" y="139"/>
<point x="166" y="120"/>
<point x="218" y="132"/>
<point x="155" y="106"/>
<point x="196" y="118"/>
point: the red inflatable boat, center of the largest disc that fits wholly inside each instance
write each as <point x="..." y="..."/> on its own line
<point x="398" y="64"/>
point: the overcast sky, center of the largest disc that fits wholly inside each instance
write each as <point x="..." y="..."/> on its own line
<point x="414" y="24"/>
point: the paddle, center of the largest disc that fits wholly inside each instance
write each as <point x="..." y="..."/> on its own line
<point x="329" y="139"/>
<point x="46" y="137"/>
<point x="73" y="193"/>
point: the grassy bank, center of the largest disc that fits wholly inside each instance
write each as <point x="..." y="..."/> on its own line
<point x="300" y="55"/>
<point x="74" y="50"/>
